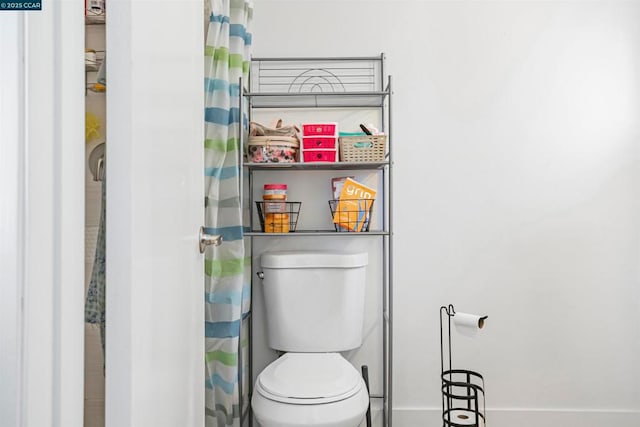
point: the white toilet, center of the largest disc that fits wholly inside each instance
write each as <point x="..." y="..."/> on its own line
<point x="314" y="304"/>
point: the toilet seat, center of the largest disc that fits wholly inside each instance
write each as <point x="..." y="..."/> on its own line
<point x="310" y="390"/>
<point x="309" y="379"/>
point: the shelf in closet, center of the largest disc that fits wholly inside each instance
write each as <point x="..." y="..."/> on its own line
<point x="93" y="66"/>
<point x="95" y="19"/>
<point x="90" y="88"/>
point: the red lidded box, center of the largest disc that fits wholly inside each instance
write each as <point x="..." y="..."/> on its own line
<point x="319" y="129"/>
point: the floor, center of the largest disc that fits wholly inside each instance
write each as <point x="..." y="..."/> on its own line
<point x="94" y="378"/>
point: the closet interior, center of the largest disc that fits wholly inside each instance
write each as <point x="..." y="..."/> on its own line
<point x="95" y="166"/>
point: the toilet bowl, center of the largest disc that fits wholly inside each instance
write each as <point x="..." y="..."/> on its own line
<point x="310" y="389"/>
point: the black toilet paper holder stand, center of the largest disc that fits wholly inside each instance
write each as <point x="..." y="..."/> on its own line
<point x="463" y="400"/>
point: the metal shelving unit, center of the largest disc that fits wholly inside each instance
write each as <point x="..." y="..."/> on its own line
<point x="334" y="82"/>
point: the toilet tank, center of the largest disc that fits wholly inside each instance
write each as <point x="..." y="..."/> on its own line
<point x="314" y="301"/>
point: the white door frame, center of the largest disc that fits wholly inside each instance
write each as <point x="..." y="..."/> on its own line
<point x="42" y="225"/>
<point x="42" y="215"/>
<point x="11" y="215"/>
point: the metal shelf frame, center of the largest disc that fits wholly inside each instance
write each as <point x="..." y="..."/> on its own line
<point x="318" y="166"/>
<point x="317" y="233"/>
<point x="317" y="100"/>
<point x="327" y="88"/>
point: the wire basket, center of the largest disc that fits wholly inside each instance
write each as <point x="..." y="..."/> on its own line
<point x="462" y="398"/>
<point x="278" y="216"/>
<point x="362" y="148"/>
<point x="351" y="215"/>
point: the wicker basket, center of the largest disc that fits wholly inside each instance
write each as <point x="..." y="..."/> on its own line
<point x="363" y="148"/>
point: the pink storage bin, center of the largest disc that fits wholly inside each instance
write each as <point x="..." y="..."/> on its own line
<point x="311" y="156"/>
<point x="319" y="129"/>
<point x="319" y="143"/>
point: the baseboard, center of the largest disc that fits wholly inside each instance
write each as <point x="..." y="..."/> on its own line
<point x="425" y="417"/>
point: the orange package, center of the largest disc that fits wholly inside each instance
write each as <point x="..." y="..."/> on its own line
<point x="354" y="205"/>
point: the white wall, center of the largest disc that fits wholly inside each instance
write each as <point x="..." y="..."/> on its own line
<point x="518" y="120"/>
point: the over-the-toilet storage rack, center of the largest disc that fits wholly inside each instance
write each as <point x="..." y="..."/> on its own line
<point x="350" y="86"/>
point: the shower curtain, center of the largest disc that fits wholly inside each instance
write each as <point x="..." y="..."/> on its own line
<point x="227" y="269"/>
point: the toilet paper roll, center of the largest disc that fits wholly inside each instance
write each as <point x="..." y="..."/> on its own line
<point x="468" y="324"/>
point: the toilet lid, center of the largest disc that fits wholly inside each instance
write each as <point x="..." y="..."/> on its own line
<point x="314" y="376"/>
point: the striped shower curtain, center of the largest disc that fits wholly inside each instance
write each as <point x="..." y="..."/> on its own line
<point x="227" y="267"/>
